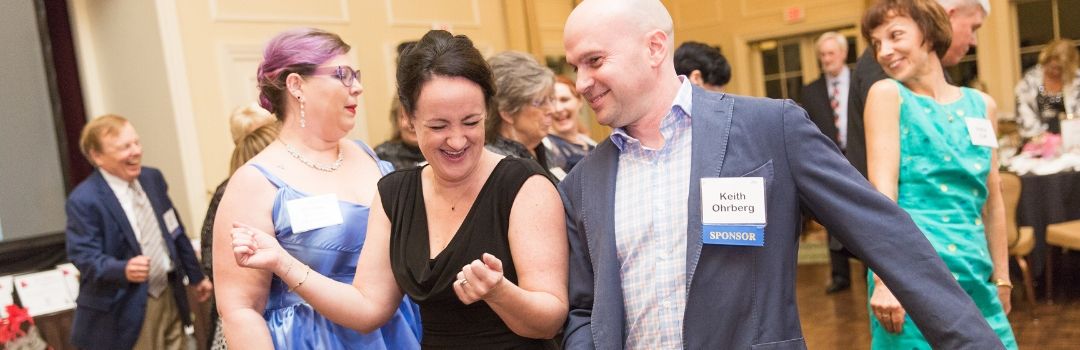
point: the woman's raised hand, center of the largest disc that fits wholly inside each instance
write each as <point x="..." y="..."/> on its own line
<point x="255" y="249"/>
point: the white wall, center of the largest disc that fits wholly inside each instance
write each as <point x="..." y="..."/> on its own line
<point x="126" y="71"/>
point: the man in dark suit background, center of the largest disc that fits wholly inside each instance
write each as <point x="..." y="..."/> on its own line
<point x="965" y="17"/>
<point x="683" y="226"/>
<point x="826" y="100"/>
<point x="125" y="238"/>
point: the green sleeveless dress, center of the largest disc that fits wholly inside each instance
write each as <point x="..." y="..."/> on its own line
<point x="942" y="185"/>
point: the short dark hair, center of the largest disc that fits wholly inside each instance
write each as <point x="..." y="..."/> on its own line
<point x="928" y="15"/>
<point x="443" y="54"/>
<point x="714" y="67"/>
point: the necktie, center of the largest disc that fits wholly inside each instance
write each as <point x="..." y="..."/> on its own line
<point x="834" y="102"/>
<point x="153" y="245"/>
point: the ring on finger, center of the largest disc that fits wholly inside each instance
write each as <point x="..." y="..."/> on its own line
<point x="464" y="281"/>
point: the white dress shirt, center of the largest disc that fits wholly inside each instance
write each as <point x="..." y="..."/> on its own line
<point x="122" y="190"/>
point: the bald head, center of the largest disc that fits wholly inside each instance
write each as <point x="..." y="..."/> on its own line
<point x="624" y="54"/>
<point x="639" y="15"/>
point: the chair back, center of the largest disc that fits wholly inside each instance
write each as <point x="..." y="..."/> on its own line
<point x="1010" y="195"/>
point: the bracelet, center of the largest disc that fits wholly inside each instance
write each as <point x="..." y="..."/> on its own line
<point x="302" y="280"/>
<point x="1001" y="282"/>
<point x="288" y="269"/>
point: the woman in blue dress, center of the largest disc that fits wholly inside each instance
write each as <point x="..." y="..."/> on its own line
<point x="930" y="148"/>
<point x="312" y="189"/>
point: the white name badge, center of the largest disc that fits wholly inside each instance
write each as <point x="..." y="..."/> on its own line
<point x="733" y="200"/>
<point x="314" y="212"/>
<point x="982" y="133"/>
<point x="172" y="223"/>
<point x="733" y="211"/>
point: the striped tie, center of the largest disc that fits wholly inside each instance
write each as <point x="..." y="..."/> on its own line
<point x="153" y="246"/>
<point x="834" y="102"/>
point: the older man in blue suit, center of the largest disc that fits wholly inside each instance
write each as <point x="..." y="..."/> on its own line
<point x="130" y="248"/>
<point x="684" y="224"/>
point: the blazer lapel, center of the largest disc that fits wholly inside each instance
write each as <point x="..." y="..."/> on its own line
<point x="599" y="220"/>
<point x="711" y="127"/>
<point x="112" y="205"/>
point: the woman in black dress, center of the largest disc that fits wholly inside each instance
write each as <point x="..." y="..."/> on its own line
<point x="509" y="234"/>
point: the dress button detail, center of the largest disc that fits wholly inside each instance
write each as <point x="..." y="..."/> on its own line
<point x="948" y="158"/>
<point x="952" y="248"/>
<point x="944" y="188"/>
<point x="945" y="219"/>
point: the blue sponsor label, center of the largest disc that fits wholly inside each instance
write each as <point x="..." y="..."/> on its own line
<point x="744" y="235"/>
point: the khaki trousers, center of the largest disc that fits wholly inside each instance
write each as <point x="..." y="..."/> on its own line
<point x="162" y="328"/>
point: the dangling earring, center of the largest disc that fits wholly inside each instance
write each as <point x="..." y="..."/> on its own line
<point x="303" y="120"/>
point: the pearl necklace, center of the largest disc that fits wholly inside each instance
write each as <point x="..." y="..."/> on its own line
<point x="327" y="168"/>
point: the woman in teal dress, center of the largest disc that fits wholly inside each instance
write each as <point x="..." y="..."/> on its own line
<point x="313" y="189"/>
<point x="925" y="151"/>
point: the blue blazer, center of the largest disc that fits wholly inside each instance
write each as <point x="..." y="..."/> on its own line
<point x="100" y="241"/>
<point x="744" y="297"/>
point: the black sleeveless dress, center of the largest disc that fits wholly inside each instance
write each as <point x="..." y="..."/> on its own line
<point x="447" y="322"/>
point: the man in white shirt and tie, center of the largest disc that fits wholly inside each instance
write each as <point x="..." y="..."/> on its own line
<point x="826" y="101"/>
<point x="132" y="253"/>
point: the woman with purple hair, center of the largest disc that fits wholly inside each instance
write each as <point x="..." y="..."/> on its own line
<point x="312" y="189"/>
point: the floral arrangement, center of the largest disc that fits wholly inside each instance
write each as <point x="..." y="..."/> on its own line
<point x="17" y="331"/>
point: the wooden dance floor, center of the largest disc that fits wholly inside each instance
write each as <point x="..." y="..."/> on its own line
<point x="839" y="321"/>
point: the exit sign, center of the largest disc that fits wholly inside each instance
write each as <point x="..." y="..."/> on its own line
<point x="794" y="14"/>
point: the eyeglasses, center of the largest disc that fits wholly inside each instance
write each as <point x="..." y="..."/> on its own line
<point x="543" y="101"/>
<point x="344" y="73"/>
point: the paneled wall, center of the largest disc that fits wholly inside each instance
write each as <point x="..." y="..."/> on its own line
<point x="178" y="67"/>
<point x="734" y="24"/>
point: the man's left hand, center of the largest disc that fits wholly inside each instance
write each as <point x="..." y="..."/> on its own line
<point x="204" y="290"/>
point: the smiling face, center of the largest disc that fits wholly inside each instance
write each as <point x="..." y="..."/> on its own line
<point x="566" y="110"/>
<point x="901" y="50"/>
<point x="531" y="124"/>
<point x="613" y="69"/>
<point x="449" y="123"/>
<point x="832" y="56"/>
<point x="329" y="105"/>
<point x="120" y="154"/>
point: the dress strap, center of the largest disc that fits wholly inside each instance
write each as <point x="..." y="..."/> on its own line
<point x="976" y="100"/>
<point x="269" y="176"/>
<point x="384" y="166"/>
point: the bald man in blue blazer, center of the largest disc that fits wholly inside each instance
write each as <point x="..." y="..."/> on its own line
<point x="684" y="224"/>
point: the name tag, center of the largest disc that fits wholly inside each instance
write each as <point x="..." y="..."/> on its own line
<point x="172" y="223"/>
<point x="982" y="133"/>
<point x="314" y="212"/>
<point x="733" y="211"/>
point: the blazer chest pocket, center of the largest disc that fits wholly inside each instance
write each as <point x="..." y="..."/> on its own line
<point x="764" y="171"/>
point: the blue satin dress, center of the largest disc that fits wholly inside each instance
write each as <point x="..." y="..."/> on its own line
<point x="331" y="251"/>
